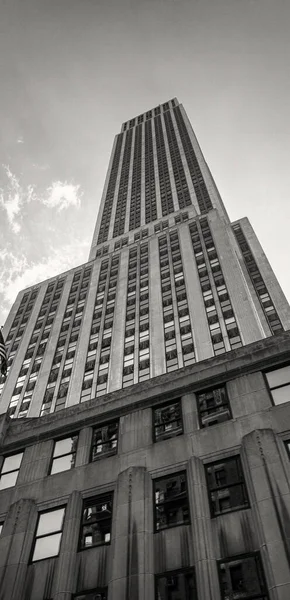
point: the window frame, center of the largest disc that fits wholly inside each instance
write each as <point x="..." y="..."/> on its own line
<point x="35" y="537"/>
<point x="269" y="390"/>
<point x="206" y="391"/>
<point x="258" y="558"/>
<point x="103" y="456"/>
<point x="11" y="471"/>
<point x="91" y="501"/>
<point x="169" y="476"/>
<point x="66" y="454"/>
<point x="242" y="482"/>
<point x="164" y="405"/>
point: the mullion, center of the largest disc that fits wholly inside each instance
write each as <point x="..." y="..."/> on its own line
<point x="279" y="386"/>
<point x="225" y="487"/>
<point x="167" y="422"/>
<point x="45" y="535"/>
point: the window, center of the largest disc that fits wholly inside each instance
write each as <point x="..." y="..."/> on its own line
<point x="105" y="439"/>
<point x="10" y="470"/>
<point x="241" y="577"/>
<point x="96" y="522"/>
<point x="48" y="534"/>
<point x="213" y="407"/>
<point x="167" y="421"/>
<point x="179" y="585"/>
<point x="226" y="486"/>
<point x="279" y="384"/>
<point x="98" y="594"/>
<point x="64" y="454"/>
<point x="171" y="502"/>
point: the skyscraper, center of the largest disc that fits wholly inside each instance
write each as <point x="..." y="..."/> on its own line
<point x="175" y="324"/>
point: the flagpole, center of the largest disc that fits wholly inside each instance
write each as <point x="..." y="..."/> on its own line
<point x="3" y="358"/>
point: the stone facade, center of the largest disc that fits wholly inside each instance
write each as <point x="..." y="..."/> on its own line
<point x="127" y="567"/>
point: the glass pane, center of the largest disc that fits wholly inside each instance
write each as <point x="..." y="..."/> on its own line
<point x="100" y="510"/>
<point x="8" y="480"/>
<point x="228" y="499"/>
<point x="221" y="474"/>
<point x="242" y="579"/>
<point x="95" y="534"/>
<point x="167" y="414"/>
<point x="47" y="546"/>
<point x="64" y="463"/>
<point x="178" y="586"/>
<point x="50" y="521"/>
<point x="168" y="488"/>
<point x="281" y="395"/>
<point x="12" y="462"/>
<point x="65" y="446"/>
<point x="279" y="376"/>
<point x="92" y="596"/>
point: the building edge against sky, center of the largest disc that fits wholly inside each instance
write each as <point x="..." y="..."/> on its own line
<point x="168" y="472"/>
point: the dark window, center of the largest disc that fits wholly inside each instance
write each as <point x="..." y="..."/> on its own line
<point x="62" y="392"/>
<point x="171" y="501"/>
<point x="105" y="439"/>
<point x="213" y="406"/>
<point x="87" y="383"/>
<point x="10" y="469"/>
<point x="226" y="486"/>
<point x="96" y="522"/>
<point x="64" y="454"/>
<point x="279" y="384"/>
<point x="89" y="366"/>
<point x="241" y="577"/>
<point x="53" y="375"/>
<point x="167" y="421"/>
<point x="176" y="585"/>
<point x="48" y="534"/>
<point x="98" y="594"/>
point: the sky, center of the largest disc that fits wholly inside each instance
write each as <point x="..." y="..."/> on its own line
<point x="73" y="70"/>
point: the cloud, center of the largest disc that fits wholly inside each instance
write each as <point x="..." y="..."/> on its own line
<point x="40" y="167"/>
<point x="16" y="273"/>
<point x="14" y="197"/>
<point x="20" y="140"/>
<point x="62" y="195"/>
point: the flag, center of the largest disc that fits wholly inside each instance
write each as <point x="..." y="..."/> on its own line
<point x="3" y="356"/>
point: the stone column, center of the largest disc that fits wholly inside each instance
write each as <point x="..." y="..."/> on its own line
<point x="65" y="571"/>
<point x="15" y="548"/>
<point x="204" y="555"/>
<point x="132" y="572"/>
<point x="263" y="456"/>
<point x="157" y="344"/>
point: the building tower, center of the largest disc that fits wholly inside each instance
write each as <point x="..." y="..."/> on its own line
<point x="112" y="485"/>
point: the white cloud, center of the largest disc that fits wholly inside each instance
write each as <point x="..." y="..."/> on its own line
<point x="62" y="195"/>
<point x="14" y="197"/>
<point x="16" y="274"/>
<point x="40" y="167"/>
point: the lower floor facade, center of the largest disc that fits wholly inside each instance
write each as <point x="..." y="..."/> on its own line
<point x="174" y="489"/>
